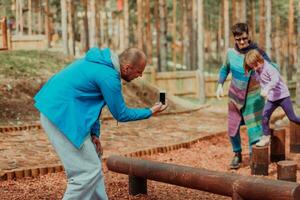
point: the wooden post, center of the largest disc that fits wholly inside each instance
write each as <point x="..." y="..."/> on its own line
<point x="294" y="138"/>
<point x="137" y="185"/>
<point x="287" y="170"/>
<point x="260" y="160"/>
<point x="278" y="145"/>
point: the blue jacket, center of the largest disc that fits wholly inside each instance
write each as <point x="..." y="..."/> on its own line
<point x="73" y="98"/>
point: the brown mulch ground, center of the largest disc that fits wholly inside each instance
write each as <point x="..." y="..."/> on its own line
<point x="213" y="154"/>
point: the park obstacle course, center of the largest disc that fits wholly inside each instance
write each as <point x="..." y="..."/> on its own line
<point x="226" y="184"/>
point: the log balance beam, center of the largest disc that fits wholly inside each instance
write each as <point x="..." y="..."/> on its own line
<point x="222" y="183"/>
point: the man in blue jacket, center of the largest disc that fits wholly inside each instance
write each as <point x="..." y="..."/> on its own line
<point x="70" y="104"/>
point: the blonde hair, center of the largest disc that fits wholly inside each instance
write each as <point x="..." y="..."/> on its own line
<point x="253" y="57"/>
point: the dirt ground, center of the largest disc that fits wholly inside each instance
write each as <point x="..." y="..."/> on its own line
<point x="213" y="154"/>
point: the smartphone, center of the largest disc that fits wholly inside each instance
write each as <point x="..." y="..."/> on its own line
<point x="162" y="97"/>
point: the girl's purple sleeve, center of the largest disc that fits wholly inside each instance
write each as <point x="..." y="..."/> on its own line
<point x="274" y="77"/>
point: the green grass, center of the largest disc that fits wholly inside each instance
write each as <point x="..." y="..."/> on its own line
<point x="24" y="63"/>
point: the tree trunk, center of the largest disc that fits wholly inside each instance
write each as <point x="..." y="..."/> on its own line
<point x="187" y="34"/>
<point x="121" y="34"/>
<point x="92" y="23"/>
<point x="252" y="20"/>
<point x="71" y="41"/>
<point x="193" y="42"/>
<point x="243" y="10"/>
<point x="17" y="17"/>
<point x="277" y="42"/>
<point x="234" y="19"/>
<point x="234" y="12"/>
<point x="220" y="43"/>
<point x="85" y="27"/>
<point x="200" y="45"/>
<point x="20" y="20"/>
<point x="291" y="33"/>
<point x="64" y="22"/>
<point x="29" y="17"/>
<point x="163" y="34"/>
<point x="148" y="32"/>
<point x="126" y="24"/>
<point x="262" y="35"/>
<point x="298" y="60"/>
<point x="174" y="31"/>
<point x="183" y="33"/>
<point x="140" y="21"/>
<point x="226" y="27"/>
<point x="268" y="27"/>
<point x="21" y="17"/>
<point x="40" y="19"/>
<point x="47" y="24"/>
<point x="157" y="26"/>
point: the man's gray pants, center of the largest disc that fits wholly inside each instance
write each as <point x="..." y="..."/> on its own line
<point x="82" y="166"/>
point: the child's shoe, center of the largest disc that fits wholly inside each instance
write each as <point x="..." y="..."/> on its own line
<point x="237" y="159"/>
<point x="264" y="140"/>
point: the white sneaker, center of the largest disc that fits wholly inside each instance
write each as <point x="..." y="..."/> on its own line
<point x="264" y="140"/>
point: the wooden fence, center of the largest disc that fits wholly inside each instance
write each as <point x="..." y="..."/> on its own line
<point x="186" y="83"/>
<point x="183" y="83"/>
<point x="16" y="42"/>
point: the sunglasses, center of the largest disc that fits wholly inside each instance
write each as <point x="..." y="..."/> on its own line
<point x="241" y="39"/>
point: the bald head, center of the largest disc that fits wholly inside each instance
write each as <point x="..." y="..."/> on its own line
<point x="132" y="63"/>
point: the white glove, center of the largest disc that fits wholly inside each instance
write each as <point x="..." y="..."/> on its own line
<point x="264" y="93"/>
<point x="219" y="91"/>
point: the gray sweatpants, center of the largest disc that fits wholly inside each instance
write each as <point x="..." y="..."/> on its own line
<point x="82" y="166"/>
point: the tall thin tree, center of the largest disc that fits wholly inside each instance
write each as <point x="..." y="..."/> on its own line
<point x="64" y="22"/>
<point x="226" y="26"/>
<point x="29" y="17"/>
<point x="234" y="11"/>
<point x="190" y="35"/>
<point x="47" y="23"/>
<point x="174" y="32"/>
<point x="148" y="31"/>
<point x="163" y="34"/>
<point x="40" y="19"/>
<point x="220" y="43"/>
<point x="262" y="24"/>
<point x="184" y="32"/>
<point x="126" y="23"/>
<point x="298" y="60"/>
<point x="140" y="21"/>
<point x="252" y="19"/>
<point x="70" y="8"/>
<point x="243" y="10"/>
<point x="194" y="48"/>
<point x="291" y="58"/>
<point x="157" y="27"/>
<point x="92" y="23"/>
<point x="85" y="27"/>
<point x="200" y="45"/>
<point x="268" y="27"/>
